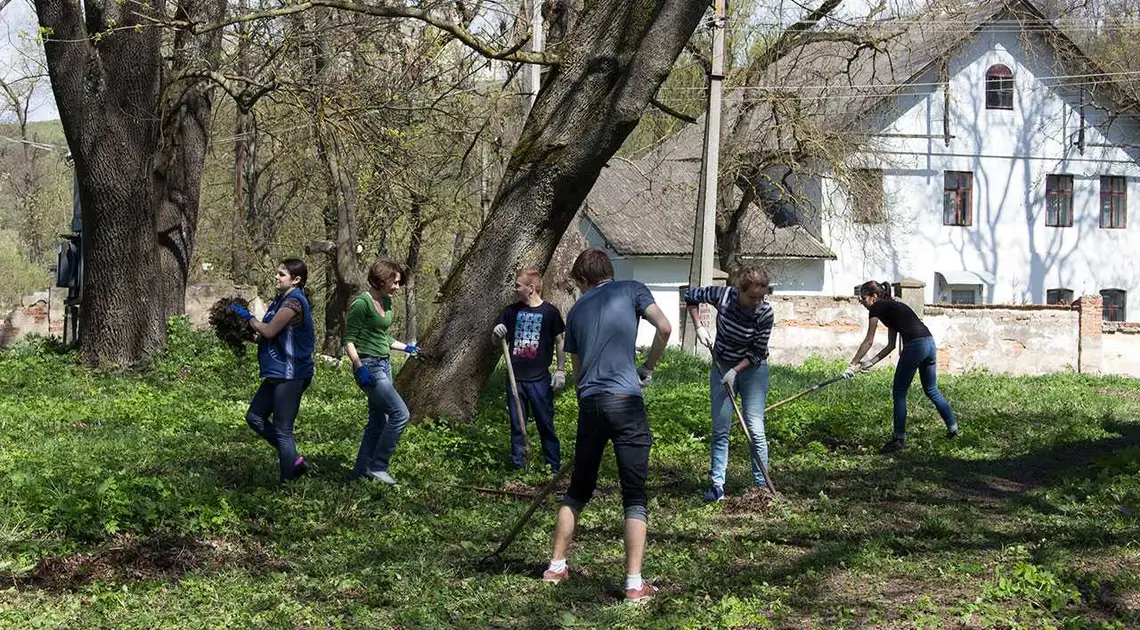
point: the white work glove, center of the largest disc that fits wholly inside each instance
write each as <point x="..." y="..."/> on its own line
<point x="729" y="380"/>
<point x="558" y="381"/>
<point x="644" y="375"/>
<point x="704" y="337"/>
<point x="865" y="365"/>
<point x="499" y="332"/>
<point x="849" y="372"/>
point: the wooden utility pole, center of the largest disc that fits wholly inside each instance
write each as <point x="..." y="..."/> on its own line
<point x="704" y="230"/>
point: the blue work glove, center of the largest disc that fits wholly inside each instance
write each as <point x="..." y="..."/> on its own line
<point x="241" y="310"/>
<point x="411" y="349"/>
<point x="364" y="377"/>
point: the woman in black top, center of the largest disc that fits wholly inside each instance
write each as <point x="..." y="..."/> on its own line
<point x="918" y="354"/>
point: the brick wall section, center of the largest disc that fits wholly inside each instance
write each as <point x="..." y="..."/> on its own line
<point x="1091" y="334"/>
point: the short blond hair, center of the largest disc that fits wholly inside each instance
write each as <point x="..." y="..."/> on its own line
<point x="530" y="277"/>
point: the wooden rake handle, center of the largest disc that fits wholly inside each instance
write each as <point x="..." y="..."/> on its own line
<point x="519" y="414"/>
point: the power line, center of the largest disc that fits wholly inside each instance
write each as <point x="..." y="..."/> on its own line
<point x="871" y="89"/>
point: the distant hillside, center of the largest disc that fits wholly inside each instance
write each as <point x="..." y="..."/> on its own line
<point x="45" y="131"/>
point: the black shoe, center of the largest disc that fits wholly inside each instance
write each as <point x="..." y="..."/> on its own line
<point x="893" y="445"/>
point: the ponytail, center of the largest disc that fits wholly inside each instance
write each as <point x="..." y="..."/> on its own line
<point x="881" y="290"/>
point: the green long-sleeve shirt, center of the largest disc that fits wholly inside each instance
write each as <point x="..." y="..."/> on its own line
<point x="366" y="329"/>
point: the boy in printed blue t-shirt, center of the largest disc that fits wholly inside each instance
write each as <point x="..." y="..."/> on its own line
<point x="534" y="330"/>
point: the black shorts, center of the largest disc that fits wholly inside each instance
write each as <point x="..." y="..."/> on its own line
<point x="621" y="419"/>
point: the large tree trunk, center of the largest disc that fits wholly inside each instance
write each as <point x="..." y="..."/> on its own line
<point x="341" y="221"/>
<point x="138" y="160"/>
<point x="615" y="59"/>
<point x="412" y="266"/>
<point x="178" y="177"/>
<point x="243" y="128"/>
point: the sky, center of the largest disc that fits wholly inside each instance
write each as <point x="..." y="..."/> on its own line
<point x="20" y="56"/>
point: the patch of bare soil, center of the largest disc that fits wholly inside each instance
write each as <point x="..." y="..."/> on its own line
<point x="1114" y="590"/>
<point x="130" y="559"/>
<point x="753" y="501"/>
<point x="876" y="602"/>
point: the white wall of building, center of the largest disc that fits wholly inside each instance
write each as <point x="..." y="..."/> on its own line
<point x="664" y="276"/>
<point x="1010" y="154"/>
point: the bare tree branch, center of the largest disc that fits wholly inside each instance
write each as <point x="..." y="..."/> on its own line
<point x="509" y="53"/>
<point x="700" y="56"/>
<point x="672" y="112"/>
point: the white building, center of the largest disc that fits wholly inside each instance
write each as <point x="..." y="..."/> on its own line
<point x="979" y="152"/>
<point x="642" y="212"/>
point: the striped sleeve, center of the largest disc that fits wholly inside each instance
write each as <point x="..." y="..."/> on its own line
<point x="758" y="349"/>
<point x="711" y="294"/>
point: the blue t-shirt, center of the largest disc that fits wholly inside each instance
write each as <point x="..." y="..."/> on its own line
<point x="601" y="328"/>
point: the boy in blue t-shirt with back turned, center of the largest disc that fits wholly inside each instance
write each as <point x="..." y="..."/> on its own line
<point x="534" y="329"/>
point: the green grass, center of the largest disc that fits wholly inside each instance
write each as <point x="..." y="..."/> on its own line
<point x="145" y="501"/>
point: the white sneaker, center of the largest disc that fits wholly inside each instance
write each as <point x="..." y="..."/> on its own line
<point x="382" y="477"/>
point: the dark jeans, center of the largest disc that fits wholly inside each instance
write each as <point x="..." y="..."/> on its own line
<point x="537" y="398"/>
<point x="387" y="418"/>
<point x="621" y="419"/>
<point x="280" y="399"/>
<point x="919" y="355"/>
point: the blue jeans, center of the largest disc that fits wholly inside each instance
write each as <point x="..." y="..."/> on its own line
<point x="919" y="355"/>
<point x="387" y="418"/>
<point x="537" y="398"/>
<point x="282" y="400"/>
<point x="752" y="384"/>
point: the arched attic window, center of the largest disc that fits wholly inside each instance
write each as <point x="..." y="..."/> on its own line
<point x="999" y="87"/>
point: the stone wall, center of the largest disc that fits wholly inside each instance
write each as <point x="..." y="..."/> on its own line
<point x="42" y="313"/>
<point x="1015" y="340"/>
<point x="39" y="313"/>
<point x="1120" y="349"/>
<point x="1003" y="339"/>
<point x="818" y="326"/>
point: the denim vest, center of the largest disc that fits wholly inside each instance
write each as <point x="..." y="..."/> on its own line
<point x="289" y="355"/>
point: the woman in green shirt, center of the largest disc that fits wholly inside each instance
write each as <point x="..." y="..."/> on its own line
<point x="368" y="342"/>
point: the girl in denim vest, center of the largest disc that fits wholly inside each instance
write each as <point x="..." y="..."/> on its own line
<point x="285" y="355"/>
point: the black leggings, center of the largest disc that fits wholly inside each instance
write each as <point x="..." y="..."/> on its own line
<point x="282" y="400"/>
<point x="621" y="419"/>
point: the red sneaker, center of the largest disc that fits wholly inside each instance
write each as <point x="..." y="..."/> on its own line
<point x="638" y="595"/>
<point x="555" y="577"/>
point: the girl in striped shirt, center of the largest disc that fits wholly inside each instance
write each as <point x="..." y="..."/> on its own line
<point x="744" y="323"/>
